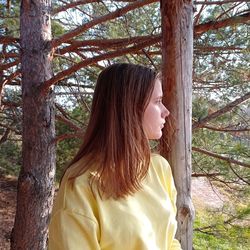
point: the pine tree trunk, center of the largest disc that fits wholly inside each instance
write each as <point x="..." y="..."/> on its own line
<point x="35" y="183"/>
<point x="177" y="50"/>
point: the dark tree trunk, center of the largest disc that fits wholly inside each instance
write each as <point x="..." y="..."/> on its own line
<point x="35" y="183"/>
<point x="177" y="51"/>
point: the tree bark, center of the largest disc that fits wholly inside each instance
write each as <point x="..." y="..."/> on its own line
<point x="177" y="53"/>
<point x="35" y="183"/>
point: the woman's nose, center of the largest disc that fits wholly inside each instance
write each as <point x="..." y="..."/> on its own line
<point x="165" y="112"/>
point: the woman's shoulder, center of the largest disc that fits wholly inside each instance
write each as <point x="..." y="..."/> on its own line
<point x="79" y="171"/>
<point x="159" y="159"/>
<point x="75" y="193"/>
<point x="161" y="165"/>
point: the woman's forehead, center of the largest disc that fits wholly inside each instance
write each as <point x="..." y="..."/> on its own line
<point x="157" y="91"/>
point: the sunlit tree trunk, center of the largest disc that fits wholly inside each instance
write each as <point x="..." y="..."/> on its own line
<point x="177" y="51"/>
<point x="35" y="183"/>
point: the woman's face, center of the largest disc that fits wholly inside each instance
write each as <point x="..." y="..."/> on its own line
<point x="155" y="114"/>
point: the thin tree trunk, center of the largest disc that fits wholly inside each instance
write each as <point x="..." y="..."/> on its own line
<point x="177" y="51"/>
<point x="35" y="183"/>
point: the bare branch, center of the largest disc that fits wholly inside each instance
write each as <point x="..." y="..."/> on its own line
<point x="221" y="111"/>
<point x="77" y="3"/>
<point x="205" y="174"/>
<point x="220" y="2"/>
<point x="69" y="117"/>
<point x="216" y="48"/>
<point x="213" y="25"/>
<point x="8" y="55"/>
<point x="107" y="43"/>
<point x="5" y="136"/>
<point x="229" y="160"/>
<point x="8" y="39"/>
<point x="63" y="74"/>
<point x="72" y="5"/>
<point x="11" y="77"/>
<point x="149" y="58"/>
<point x="8" y="127"/>
<point x="11" y="104"/>
<point x="241" y="178"/>
<point x="225" y="12"/>
<point x="9" y="65"/>
<point x="68" y="122"/>
<point x="119" y="12"/>
<point x="6" y="81"/>
<point x="68" y="136"/>
<point x="197" y="17"/>
<point x="228" y="130"/>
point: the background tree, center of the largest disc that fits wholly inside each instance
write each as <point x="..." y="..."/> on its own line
<point x="36" y="178"/>
<point x="177" y="52"/>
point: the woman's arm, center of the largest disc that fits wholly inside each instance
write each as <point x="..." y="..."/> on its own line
<point x="72" y="231"/>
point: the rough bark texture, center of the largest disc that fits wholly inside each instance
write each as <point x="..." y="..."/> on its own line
<point x="177" y="50"/>
<point x="35" y="184"/>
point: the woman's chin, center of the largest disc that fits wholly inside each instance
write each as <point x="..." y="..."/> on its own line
<point x="156" y="136"/>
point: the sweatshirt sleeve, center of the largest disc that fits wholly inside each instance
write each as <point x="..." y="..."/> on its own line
<point x="173" y="197"/>
<point x="169" y="182"/>
<point x="72" y="231"/>
<point x="175" y="245"/>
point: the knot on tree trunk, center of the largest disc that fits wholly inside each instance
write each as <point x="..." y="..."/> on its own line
<point x="27" y="180"/>
<point x="186" y="212"/>
<point x="31" y="185"/>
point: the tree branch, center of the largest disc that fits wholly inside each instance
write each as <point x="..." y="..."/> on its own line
<point x="72" y="5"/>
<point x="69" y="117"/>
<point x="213" y="25"/>
<point x="77" y="3"/>
<point x="63" y="74"/>
<point x="216" y="48"/>
<point x="119" y="12"/>
<point x="205" y="174"/>
<point x="11" y="104"/>
<point x="10" y="128"/>
<point x="197" y="17"/>
<point x="68" y="122"/>
<point x="68" y="136"/>
<point x="9" y="65"/>
<point x="241" y="178"/>
<point x="220" y="2"/>
<point x="228" y="130"/>
<point x="8" y="39"/>
<point x="107" y="43"/>
<point x="229" y="160"/>
<point x="11" y="77"/>
<point x="8" y="55"/>
<point x="221" y="111"/>
<point x="8" y="79"/>
<point x="5" y="136"/>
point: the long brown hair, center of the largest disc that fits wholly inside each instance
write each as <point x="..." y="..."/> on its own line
<point x="115" y="142"/>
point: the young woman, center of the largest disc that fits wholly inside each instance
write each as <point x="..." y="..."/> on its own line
<point x="116" y="194"/>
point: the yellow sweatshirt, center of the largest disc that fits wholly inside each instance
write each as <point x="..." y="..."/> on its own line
<point x="143" y="221"/>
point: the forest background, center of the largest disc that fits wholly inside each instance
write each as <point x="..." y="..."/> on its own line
<point x="90" y="35"/>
